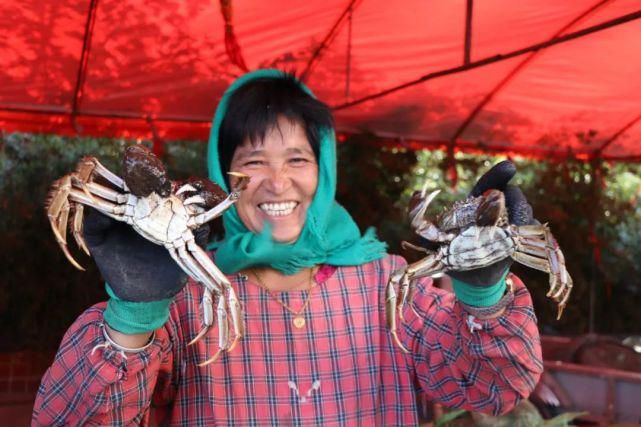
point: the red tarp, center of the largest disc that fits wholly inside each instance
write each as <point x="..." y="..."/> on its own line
<point x="156" y="69"/>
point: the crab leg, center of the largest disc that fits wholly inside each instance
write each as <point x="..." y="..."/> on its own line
<point x="207" y="304"/>
<point x="390" y="306"/>
<point x="90" y="165"/>
<point x="557" y="262"/>
<point x="78" y="188"/>
<point x="537" y="248"/>
<point x="193" y="269"/>
<point x="236" y="317"/>
<point x="564" y="301"/>
<point x="105" y="192"/>
<point x="196" y="262"/>
<point x="428" y="266"/>
<point x="113" y="210"/>
<point x="212" y="213"/>
<point x="76" y="228"/>
<point x="408" y="245"/>
<point x="558" y="275"/>
<point x="233" y="302"/>
<point x="532" y="261"/>
<point x="189" y="265"/>
<point x="58" y="213"/>
<point x="530" y="244"/>
<point x="223" y="329"/>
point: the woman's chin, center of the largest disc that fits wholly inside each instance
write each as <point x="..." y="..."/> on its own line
<point x="285" y="238"/>
<point x="285" y="234"/>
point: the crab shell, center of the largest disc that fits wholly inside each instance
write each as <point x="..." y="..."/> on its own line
<point x="486" y="210"/>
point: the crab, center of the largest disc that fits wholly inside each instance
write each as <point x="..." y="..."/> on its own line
<point x="474" y="233"/>
<point x="164" y="212"/>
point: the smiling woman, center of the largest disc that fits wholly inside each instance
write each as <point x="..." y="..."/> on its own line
<point x="284" y="176"/>
<point x="270" y="125"/>
<point x="316" y="349"/>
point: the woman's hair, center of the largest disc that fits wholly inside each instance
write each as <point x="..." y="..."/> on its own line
<point x="254" y="108"/>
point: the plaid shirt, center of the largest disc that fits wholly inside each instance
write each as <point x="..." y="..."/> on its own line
<point x="342" y="368"/>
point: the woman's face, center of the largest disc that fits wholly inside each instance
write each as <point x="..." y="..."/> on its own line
<point x="284" y="177"/>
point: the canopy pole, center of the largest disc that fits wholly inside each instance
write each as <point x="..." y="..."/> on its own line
<point x="496" y="58"/>
<point x="232" y="47"/>
<point x="348" y="70"/>
<point x="468" y="31"/>
<point x="516" y="70"/>
<point x="157" y="143"/>
<point x="599" y="151"/>
<point x="84" y="60"/>
<point x="327" y="40"/>
<point x="598" y="182"/>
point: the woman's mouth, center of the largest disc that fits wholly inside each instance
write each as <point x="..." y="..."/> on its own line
<point x="278" y="209"/>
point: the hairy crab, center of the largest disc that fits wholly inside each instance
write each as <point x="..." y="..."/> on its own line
<point x="474" y="233"/>
<point x="163" y="211"/>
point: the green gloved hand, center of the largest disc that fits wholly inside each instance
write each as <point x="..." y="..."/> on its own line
<point x="483" y="287"/>
<point x="141" y="276"/>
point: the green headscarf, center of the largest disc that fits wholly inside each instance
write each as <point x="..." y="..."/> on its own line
<point x="329" y="236"/>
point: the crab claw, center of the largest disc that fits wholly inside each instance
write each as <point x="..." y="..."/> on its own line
<point x="424" y="228"/>
<point x="418" y="206"/>
<point x="488" y="213"/>
<point x="241" y="181"/>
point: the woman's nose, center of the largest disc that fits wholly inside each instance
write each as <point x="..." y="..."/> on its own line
<point x="278" y="180"/>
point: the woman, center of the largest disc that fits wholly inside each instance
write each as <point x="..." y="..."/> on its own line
<point x="316" y="350"/>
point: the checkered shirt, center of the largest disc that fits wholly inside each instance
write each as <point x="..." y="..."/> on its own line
<point x="341" y="368"/>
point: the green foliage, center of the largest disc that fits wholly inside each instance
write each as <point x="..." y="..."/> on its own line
<point x="592" y="211"/>
<point x="370" y="181"/>
<point x="449" y="417"/>
<point x="41" y="293"/>
<point x="584" y="204"/>
<point x="186" y="158"/>
<point x="524" y="414"/>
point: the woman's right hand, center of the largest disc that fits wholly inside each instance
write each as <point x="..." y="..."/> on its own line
<point x="136" y="269"/>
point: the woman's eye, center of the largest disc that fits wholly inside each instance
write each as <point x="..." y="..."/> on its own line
<point x="253" y="163"/>
<point x="298" y="160"/>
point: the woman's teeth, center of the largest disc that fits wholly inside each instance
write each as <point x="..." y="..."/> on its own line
<point x="278" y="209"/>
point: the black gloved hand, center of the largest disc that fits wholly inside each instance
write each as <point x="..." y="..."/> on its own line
<point x="519" y="213"/>
<point x="136" y="269"/>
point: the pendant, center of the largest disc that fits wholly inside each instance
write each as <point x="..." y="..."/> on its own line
<point x="299" y="321"/>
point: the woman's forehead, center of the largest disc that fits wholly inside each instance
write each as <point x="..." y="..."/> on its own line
<point x="274" y="148"/>
<point x="282" y="137"/>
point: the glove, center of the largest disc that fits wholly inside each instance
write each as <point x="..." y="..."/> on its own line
<point x="141" y="277"/>
<point x="469" y="284"/>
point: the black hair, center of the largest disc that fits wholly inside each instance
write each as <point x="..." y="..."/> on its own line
<point x="254" y="108"/>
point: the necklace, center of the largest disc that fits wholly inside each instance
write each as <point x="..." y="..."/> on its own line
<point x="298" y="319"/>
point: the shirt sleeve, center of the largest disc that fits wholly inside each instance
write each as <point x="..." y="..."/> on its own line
<point x="91" y="383"/>
<point x="463" y="362"/>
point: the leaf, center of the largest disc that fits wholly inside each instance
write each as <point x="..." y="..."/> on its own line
<point x="450" y="416"/>
<point x="563" y="420"/>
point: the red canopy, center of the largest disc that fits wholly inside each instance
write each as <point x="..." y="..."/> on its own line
<point x="544" y="78"/>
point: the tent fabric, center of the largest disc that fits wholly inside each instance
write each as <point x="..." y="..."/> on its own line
<point x="473" y="77"/>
